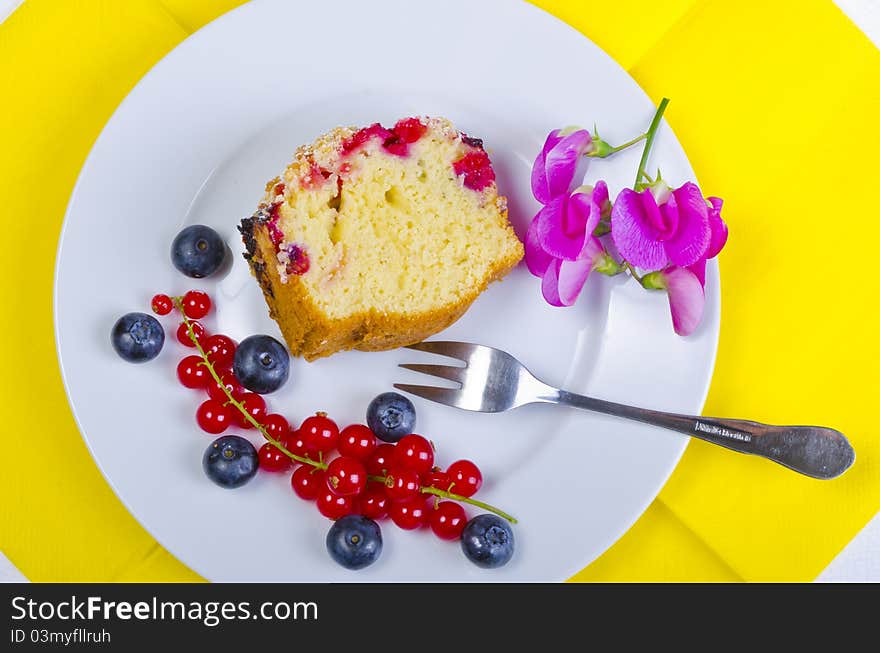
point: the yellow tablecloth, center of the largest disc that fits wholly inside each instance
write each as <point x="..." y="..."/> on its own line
<point x="776" y="105"/>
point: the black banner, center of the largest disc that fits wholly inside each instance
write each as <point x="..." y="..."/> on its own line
<point x="380" y="617"/>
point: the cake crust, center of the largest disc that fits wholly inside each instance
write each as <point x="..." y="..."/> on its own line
<point x="311" y="334"/>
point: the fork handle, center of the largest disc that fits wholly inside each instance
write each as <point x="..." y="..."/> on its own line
<point x="815" y="451"/>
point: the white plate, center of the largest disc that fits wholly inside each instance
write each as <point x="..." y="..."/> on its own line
<point x="196" y="140"/>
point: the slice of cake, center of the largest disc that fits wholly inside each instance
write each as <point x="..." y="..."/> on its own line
<point x="377" y="238"/>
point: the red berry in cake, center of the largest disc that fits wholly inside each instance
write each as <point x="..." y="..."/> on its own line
<point x="254" y="405"/>
<point x="199" y="332"/>
<point x="414" y="452"/>
<point x="409" y="514"/>
<point x="373" y="502"/>
<point x="465" y="477"/>
<point x="278" y="189"/>
<point x="361" y="137"/>
<point x="220" y="349"/>
<point x="476" y="169"/>
<point x="272" y="459"/>
<point x="216" y="392"/>
<point x="401" y="484"/>
<point x="277" y="427"/>
<point x="447" y="520"/>
<point x="213" y="417"/>
<point x="196" y="304"/>
<point x="436" y="478"/>
<point x="297" y="260"/>
<point x="319" y="433"/>
<point x="409" y="130"/>
<point x="357" y="441"/>
<point x="379" y="461"/>
<point x="333" y="506"/>
<point x="346" y="476"/>
<point x="307" y="482"/>
<point x="161" y="304"/>
<point x="193" y="373"/>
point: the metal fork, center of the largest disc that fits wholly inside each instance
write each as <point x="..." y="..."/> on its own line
<point x="493" y="381"/>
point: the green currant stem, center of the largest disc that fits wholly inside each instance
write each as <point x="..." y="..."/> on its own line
<point x="178" y="302"/>
<point x="319" y="464"/>
<point x="473" y="502"/>
<point x="649" y="141"/>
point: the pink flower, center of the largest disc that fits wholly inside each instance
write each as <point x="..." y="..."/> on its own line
<point x="557" y="165"/>
<point x="560" y="245"/>
<point x="676" y="230"/>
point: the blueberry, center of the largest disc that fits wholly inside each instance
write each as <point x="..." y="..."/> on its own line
<point x="198" y="251"/>
<point x="354" y="541"/>
<point x="487" y="541"/>
<point x="261" y="364"/>
<point x="391" y="416"/>
<point x="137" y="337"/>
<point x="230" y="461"/>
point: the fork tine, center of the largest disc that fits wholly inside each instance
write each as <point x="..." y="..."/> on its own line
<point x="440" y="395"/>
<point x="448" y="372"/>
<point x="452" y="349"/>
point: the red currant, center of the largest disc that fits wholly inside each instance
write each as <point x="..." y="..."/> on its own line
<point x="277" y="427"/>
<point x="379" y="461"/>
<point x="296" y="445"/>
<point x="414" y="452"/>
<point x="220" y="349"/>
<point x="213" y="417"/>
<point x="196" y="304"/>
<point x="307" y="482"/>
<point x="436" y="478"/>
<point x="373" y="503"/>
<point x="447" y="520"/>
<point x="465" y="477"/>
<point x="401" y="484"/>
<point x="192" y="372"/>
<point x="346" y="476"/>
<point x="161" y="304"/>
<point x="272" y="459"/>
<point x="228" y="380"/>
<point x="333" y="506"/>
<point x="253" y="404"/>
<point x="319" y="432"/>
<point x="409" y="514"/>
<point x="199" y="332"/>
<point x="357" y="441"/>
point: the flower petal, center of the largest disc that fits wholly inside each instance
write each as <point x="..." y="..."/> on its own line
<point x="550" y="284"/>
<point x="686" y="299"/>
<point x="690" y="241"/>
<point x="633" y="231"/>
<point x="699" y="269"/>
<point x="537" y="260"/>
<point x="718" y="228"/>
<point x="572" y="276"/>
<point x="558" y="163"/>
<point x="550" y="229"/>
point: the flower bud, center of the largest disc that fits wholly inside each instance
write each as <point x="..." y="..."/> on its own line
<point x="654" y="281"/>
<point x="605" y="264"/>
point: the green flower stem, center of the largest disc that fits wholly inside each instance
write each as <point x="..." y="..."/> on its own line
<point x="319" y="464"/>
<point x="628" y="143"/>
<point x="649" y="141"/>
<point x="635" y="275"/>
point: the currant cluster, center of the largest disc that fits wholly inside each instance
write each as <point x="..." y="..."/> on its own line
<point x="348" y="472"/>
